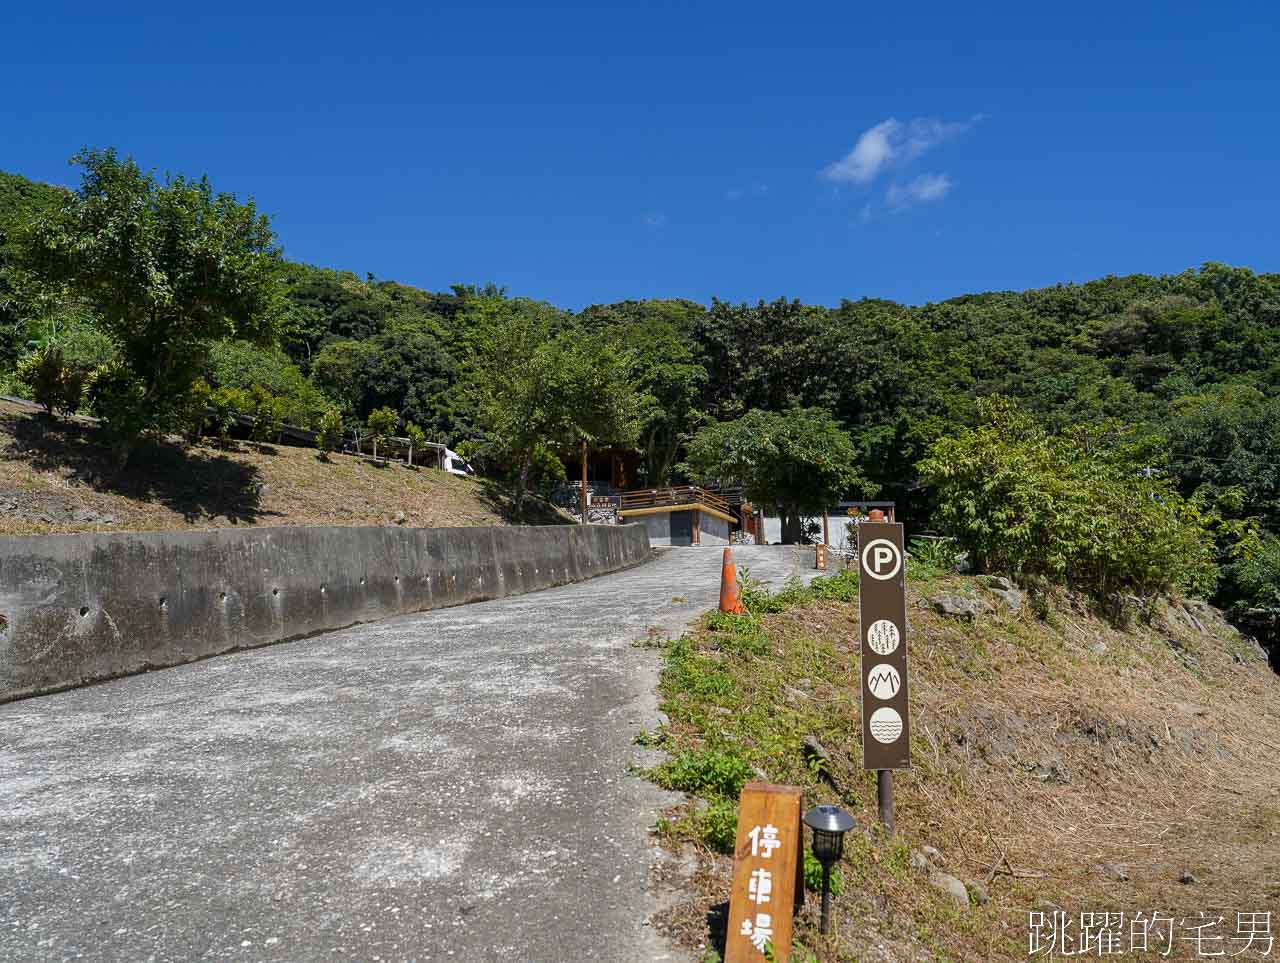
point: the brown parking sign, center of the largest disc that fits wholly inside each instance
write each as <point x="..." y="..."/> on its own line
<point x="882" y="603"/>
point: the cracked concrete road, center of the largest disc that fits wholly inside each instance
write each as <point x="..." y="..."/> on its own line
<point x="450" y="785"/>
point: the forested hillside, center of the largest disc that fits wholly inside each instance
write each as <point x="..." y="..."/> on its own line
<point x="1180" y="371"/>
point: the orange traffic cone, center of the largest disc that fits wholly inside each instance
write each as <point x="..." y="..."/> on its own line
<point x="730" y="599"/>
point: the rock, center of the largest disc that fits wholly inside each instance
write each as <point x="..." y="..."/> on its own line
<point x="955" y="607"/>
<point x="947" y="884"/>
<point x="795" y="695"/>
<point x="919" y="862"/>
<point x="1113" y="871"/>
<point x="977" y="892"/>
<point x="90" y="517"/>
<point x="1183" y="653"/>
<point x="933" y="856"/>
<point x="1012" y="598"/>
<point x="997" y="582"/>
<point x="813" y="749"/>
<point x="400" y="518"/>
<point x="1098" y="648"/>
<point x="1187" y="879"/>
<point x="1050" y="769"/>
<point x="8" y="506"/>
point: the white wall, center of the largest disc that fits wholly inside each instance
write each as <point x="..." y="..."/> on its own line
<point x="839" y="535"/>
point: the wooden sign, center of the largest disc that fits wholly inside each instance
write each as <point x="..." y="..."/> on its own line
<point x="768" y="872"/>
<point x="882" y="604"/>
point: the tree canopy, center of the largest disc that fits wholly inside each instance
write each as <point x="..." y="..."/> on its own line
<point x="798" y="461"/>
<point x="167" y="268"/>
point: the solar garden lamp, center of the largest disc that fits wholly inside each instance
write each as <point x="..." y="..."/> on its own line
<point x="829" y="824"/>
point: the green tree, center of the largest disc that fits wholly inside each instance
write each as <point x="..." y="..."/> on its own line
<point x="520" y="388"/>
<point x="594" y="386"/>
<point x="657" y="336"/>
<point x="417" y="441"/>
<point x="382" y="424"/>
<point x="800" y="461"/>
<point x="1087" y="508"/>
<point x="168" y="269"/>
<point x="329" y="435"/>
<point x="1228" y="437"/>
<point x="268" y="414"/>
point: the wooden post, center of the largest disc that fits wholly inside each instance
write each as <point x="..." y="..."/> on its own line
<point x="696" y="534"/>
<point x="584" y="481"/>
<point x="766" y="873"/>
<point x="826" y="529"/>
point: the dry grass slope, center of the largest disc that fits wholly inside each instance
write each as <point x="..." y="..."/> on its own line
<point x="58" y="477"/>
<point x="1060" y="762"/>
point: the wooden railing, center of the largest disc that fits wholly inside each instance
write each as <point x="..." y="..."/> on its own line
<point x="676" y="495"/>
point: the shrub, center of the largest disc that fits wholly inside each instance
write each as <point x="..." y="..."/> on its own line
<point x="417" y="440"/>
<point x="228" y="405"/>
<point x="52" y="381"/>
<point x="708" y="772"/>
<point x="813" y="875"/>
<point x="329" y="436"/>
<point x="1254" y="582"/>
<point x="717" y="826"/>
<point x="119" y="398"/>
<point x="1084" y="507"/>
<point x="840" y="587"/>
<point x="943" y="554"/>
<point x="239" y="364"/>
<point x="382" y="422"/>
<point x="268" y="416"/>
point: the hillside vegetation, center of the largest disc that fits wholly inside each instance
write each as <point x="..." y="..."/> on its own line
<point x="60" y="478"/>
<point x="1165" y="390"/>
<point x="1061" y="762"/>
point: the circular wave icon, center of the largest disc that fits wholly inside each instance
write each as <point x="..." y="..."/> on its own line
<point x="883" y="637"/>
<point x="883" y="681"/>
<point x="886" y="725"/>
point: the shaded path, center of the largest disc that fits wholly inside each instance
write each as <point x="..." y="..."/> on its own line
<point x="450" y="785"/>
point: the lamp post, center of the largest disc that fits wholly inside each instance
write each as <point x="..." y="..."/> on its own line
<point x="829" y="824"/>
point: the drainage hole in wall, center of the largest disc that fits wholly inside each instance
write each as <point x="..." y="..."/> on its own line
<point x="397" y="579"/>
<point x="164" y="602"/>
<point x="323" y="589"/>
<point x="362" y="581"/>
<point x="84" y="610"/>
<point x="275" y="591"/>
<point x="222" y="596"/>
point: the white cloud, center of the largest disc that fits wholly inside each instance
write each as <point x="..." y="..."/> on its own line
<point x="655" y="220"/>
<point x="892" y="142"/>
<point x="925" y="188"/>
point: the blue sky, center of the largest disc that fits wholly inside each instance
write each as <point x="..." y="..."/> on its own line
<point x="594" y="152"/>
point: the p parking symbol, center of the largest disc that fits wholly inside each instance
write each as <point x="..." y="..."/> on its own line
<point x="881" y="559"/>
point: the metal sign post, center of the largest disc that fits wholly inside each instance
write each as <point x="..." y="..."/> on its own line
<point x="882" y="607"/>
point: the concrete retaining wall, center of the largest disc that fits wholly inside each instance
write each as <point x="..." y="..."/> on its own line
<point x="81" y="608"/>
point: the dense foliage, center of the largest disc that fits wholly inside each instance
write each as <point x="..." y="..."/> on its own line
<point x="167" y="268"/>
<point x="798" y="460"/>
<point x="1188" y="363"/>
<point x="1082" y="507"/>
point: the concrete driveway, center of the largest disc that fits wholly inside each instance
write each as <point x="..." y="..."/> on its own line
<point x="451" y="785"/>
